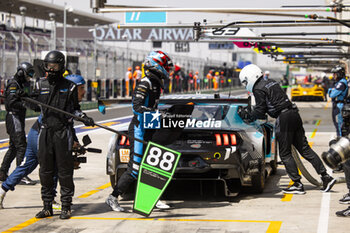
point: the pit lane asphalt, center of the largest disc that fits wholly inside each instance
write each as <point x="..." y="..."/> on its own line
<point x="268" y="212"/>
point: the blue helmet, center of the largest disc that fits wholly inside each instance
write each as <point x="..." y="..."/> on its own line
<point x="77" y="79"/>
<point x="159" y="62"/>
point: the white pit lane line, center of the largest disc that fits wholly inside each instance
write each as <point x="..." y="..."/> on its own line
<point x="324" y="210"/>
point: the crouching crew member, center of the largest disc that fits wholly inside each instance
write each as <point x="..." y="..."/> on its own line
<point x="271" y="99"/>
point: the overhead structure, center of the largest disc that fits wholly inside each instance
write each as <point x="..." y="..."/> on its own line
<point x="307" y="51"/>
<point x="43" y="10"/>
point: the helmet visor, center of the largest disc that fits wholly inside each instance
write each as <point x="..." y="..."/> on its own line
<point x="169" y="67"/>
<point x="31" y="73"/>
<point x="52" y="66"/>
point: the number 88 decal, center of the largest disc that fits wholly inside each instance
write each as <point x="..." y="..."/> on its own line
<point x="165" y="163"/>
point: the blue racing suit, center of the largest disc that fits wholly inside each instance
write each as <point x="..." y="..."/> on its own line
<point x="30" y="161"/>
<point x="338" y="95"/>
<point x="146" y="95"/>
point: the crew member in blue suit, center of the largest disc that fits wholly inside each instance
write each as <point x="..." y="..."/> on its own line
<point x="338" y="94"/>
<point x="157" y="66"/>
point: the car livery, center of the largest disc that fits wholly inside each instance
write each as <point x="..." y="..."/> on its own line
<point x="215" y="143"/>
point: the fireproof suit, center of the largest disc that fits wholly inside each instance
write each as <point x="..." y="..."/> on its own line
<point x="145" y="98"/>
<point x="338" y="95"/>
<point x="271" y="99"/>
<point x="15" y="122"/>
<point x="56" y="138"/>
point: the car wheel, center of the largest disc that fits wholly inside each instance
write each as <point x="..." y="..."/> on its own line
<point x="258" y="181"/>
<point x="114" y="178"/>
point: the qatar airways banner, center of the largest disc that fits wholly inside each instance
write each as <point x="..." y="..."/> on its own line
<point x="113" y="33"/>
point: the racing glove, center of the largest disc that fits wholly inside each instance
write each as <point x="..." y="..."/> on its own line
<point x="21" y="93"/>
<point x="243" y="112"/>
<point x="88" y="121"/>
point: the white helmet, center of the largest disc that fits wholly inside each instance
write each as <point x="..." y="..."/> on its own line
<point x="249" y="75"/>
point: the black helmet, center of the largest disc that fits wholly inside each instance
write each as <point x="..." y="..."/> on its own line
<point x="25" y="71"/>
<point x="339" y="70"/>
<point x="52" y="58"/>
<point x="54" y="65"/>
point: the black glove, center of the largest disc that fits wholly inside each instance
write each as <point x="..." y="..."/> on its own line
<point x="20" y="93"/>
<point x="243" y="112"/>
<point x="88" y="121"/>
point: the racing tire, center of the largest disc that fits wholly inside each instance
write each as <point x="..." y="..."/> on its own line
<point x="258" y="181"/>
<point x="114" y="178"/>
<point x="303" y="170"/>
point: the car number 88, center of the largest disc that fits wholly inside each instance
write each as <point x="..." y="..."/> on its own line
<point x="164" y="163"/>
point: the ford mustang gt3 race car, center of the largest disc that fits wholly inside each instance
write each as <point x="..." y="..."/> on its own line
<point x="308" y="91"/>
<point x="215" y="143"/>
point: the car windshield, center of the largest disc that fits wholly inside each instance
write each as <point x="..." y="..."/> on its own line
<point x="307" y="85"/>
<point x="209" y="112"/>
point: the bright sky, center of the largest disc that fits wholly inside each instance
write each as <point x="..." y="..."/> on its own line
<point x="190" y="18"/>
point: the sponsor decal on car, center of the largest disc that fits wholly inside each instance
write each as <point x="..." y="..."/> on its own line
<point x="124" y="155"/>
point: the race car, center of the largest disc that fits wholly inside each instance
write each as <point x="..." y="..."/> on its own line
<point x="308" y="91"/>
<point x="215" y="143"/>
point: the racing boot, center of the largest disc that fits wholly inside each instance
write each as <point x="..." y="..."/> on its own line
<point x="112" y="201"/>
<point x="296" y="188"/>
<point x="328" y="183"/>
<point x="162" y="205"/>
<point x="27" y="181"/>
<point x="46" y="211"/>
<point x="66" y="212"/>
<point x="345" y="200"/>
<point x="343" y="213"/>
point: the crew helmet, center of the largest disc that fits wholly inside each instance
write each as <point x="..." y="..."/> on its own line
<point x="159" y="62"/>
<point x="249" y="75"/>
<point x="339" y="70"/>
<point x="54" y="62"/>
<point x="25" y="71"/>
<point x="77" y="79"/>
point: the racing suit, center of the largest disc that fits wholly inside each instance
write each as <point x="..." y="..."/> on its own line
<point x="56" y="138"/>
<point x="338" y="95"/>
<point x="15" y="121"/>
<point x="145" y="98"/>
<point x="271" y="99"/>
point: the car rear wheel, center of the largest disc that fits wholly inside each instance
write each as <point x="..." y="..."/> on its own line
<point x="114" y="178"/>
<point x="258" y="180"/>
